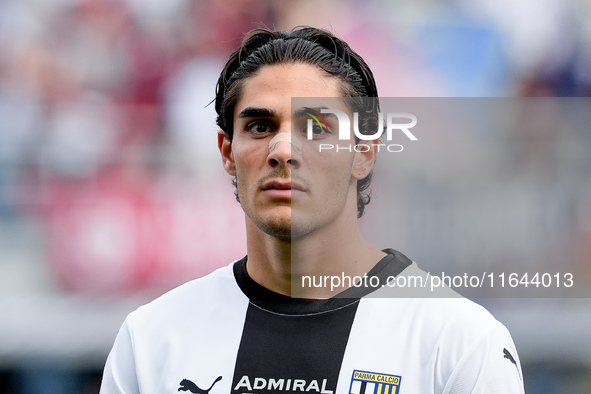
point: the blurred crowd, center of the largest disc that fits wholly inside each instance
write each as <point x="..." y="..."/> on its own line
<point x="107" y="128"/>
<point x="108" y="139"/>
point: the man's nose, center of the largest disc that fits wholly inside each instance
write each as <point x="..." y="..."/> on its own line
<point x="285" y="149"/>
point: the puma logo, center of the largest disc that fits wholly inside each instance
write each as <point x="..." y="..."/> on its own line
<point x="509" y="357"/>
<point x="187" y="385"/>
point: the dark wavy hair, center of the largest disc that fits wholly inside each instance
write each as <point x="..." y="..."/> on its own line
<point x="305" y="45"/>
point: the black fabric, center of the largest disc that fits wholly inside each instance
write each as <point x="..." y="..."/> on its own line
<point x="294" y="345"/>
<point x="279" y="303"/>
<point x="305" y="351"/>
<point x="390" y="265"/>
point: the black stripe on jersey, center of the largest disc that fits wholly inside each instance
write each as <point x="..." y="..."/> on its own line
<point x="292" y="353"/>
<point x="291" y="345"/>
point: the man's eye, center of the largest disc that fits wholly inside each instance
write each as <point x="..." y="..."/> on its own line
<point x="318" y="130"/>
<point x="259" y="128"/>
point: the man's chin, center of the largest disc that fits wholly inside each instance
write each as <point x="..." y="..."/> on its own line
<point x="280" y="231"/>
<point x="287" y="233"/>
<point x="281" y="225"/>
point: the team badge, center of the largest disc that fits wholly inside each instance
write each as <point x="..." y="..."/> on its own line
<point x="364" y="382"/>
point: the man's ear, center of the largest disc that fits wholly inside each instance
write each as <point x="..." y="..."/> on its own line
<point x="365" y="158"/>
<point x="225" y="146"/>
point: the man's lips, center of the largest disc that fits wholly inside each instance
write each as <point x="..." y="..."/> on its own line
<point x="283" y="185"/>
<point x="282" y="188"/>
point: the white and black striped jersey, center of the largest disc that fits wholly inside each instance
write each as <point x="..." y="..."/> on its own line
<point x="225" y="333"/>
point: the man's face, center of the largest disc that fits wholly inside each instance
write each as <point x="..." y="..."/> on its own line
<point x="285" y="193"/>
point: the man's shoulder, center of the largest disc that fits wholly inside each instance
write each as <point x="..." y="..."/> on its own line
<point x="195" y="296"/>
<point x="438" y="308"/>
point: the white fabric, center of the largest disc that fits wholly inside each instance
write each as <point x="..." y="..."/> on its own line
<point x="436" y="345"/>
<point x="195" y="328"/>
<point x="449" y="345"/>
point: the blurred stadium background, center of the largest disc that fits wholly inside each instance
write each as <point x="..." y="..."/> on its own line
<point x="111" y="190"/>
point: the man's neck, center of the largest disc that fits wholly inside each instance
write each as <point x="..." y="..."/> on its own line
<point x="279" y="264"/>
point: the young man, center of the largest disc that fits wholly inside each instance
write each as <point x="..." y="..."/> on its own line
<point x="239" y="330"/>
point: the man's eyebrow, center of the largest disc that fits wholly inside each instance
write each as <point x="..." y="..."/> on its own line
<point x="254" y="112"/>
<point x="305" y="111"/>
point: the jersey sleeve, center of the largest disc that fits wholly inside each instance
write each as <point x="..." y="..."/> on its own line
<point x="120" y="376"/>
<point x="490" y="366"/>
